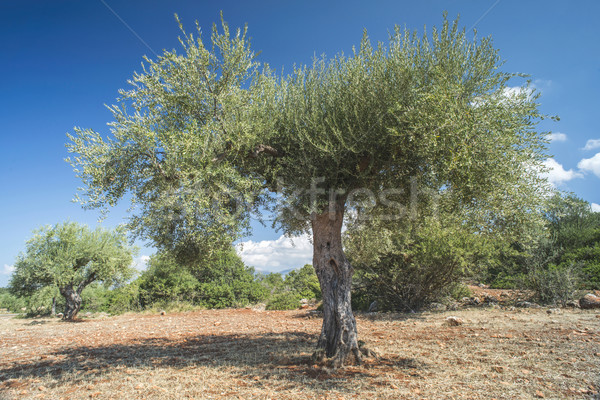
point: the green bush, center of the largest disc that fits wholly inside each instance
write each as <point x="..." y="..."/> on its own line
<point x="284" y="301"/>
<point x="406" y="267"/>
<point x="165" y="281"/>
<point x="95" y="298"/>
<point x="124" y="299"/>
<point x="459" y="290"/>
<point x="40" y="302"/>
<point x="11" y="302"/>
<point x="304" y="282"/>
<point x="555" y="285"/>
<point x="221" y="282"/>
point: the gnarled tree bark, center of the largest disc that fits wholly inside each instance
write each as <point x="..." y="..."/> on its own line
<point x="73" y="297"/>
<point x="73" y="302"/>
<point x="338" y="340"/>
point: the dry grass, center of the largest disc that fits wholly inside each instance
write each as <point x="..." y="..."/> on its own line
<point x="248" y="354"/>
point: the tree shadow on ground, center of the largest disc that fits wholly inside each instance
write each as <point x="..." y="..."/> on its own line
<point x="282" y="356"/>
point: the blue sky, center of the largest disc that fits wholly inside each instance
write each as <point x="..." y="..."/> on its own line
<point x="62" y="60"/>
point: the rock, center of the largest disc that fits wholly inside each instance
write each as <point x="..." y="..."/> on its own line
<point x="303" y="301"/>
<point x="526" y="304"/>
<point x="163" y="312"/>
<point x="453" y="306"/>
<point x="553" y="311"/>
<point x="589" y="301"/>
<point x="454" y="321"/>
<point x="60" y="315"/>
<point x="490" y="299"/>
<point x="572" y="304"/>
<point x="470" y="301"/>
<point x="437" y="307"/>
<point x="303" y="306"/>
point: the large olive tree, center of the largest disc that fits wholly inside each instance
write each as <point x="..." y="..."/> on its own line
<point x="71" y="256"/>
<point x="202" y="139"/>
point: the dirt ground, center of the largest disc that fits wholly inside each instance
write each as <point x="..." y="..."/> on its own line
<point x="250" y="354"/>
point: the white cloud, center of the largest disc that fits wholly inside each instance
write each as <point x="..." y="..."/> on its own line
<point x="276" y="255"/>
<point x="507" y="96"/>
<point x="557" y="137"/>
<point x="590" y="165"/>
<point x="592" y="144"/>
<point x="516" y="91"/>
<point x="557" y="175"/>
<point x="595" y="207"/>
<point x="7" y="269"/>
<point x="141" y="263"/>
<point x="542" y="83"/>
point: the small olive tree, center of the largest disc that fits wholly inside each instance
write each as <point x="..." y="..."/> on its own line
<point x="71" y="256"/>
<point x="202" y="138"/>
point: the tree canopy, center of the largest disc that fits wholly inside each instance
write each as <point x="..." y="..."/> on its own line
<point x="202" y="139"/>
<point x="70" y="256"/>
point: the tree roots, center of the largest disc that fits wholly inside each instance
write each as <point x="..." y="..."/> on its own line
<point x="343" y="357"/>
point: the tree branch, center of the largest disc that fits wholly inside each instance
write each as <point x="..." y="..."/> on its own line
<point x="263" y="148"/>
<point x="86" y="282"/>
<point x="258" y="150"/>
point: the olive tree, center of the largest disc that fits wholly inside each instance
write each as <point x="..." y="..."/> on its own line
<point x="202" y="140"/>
<point x="70" y="256"/>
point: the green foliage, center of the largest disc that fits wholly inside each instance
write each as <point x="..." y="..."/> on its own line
<point x="11" y="302"/>
<point x="558" y="260"/>
<point x="187" y="111"/>
<point x="284" y="301"/>
<point x="272" y="282"/>
<point x="304" y="282"/>
<point x="286" y="293"/>
<point x="404" y="266"/>
<point x="575" y="232"/>
<point x="124" y="298"/>
<point x="166" y="281"/>
<point x="223" y="282"/>
<point x="40" y="301"/>
<point x="201" y="137"/>
<point x="555" y="285"/>
<point x="72" y="255"/>
<point x="458" y="290"/>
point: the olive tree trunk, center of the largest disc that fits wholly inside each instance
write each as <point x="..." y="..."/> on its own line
<point x="73" y="297"/>
<point x="72" y="302"/>
<point x="338" y="341"/>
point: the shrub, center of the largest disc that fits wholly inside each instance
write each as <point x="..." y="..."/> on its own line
<point x="11" y="302"/>
<point x="40" y="302"/>
<point x="95" y="298"/>
<point x="165" y="281"/>
<point x="284" y="301"/>
<point x="459" y="290"/>
<point x="304" y="282"/>
<point x="405" y="267"/>
<point x="555" y="285"/>
<point x="125" y="298"/>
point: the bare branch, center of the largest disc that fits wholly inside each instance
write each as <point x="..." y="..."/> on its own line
<point x="263" y="148"/>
